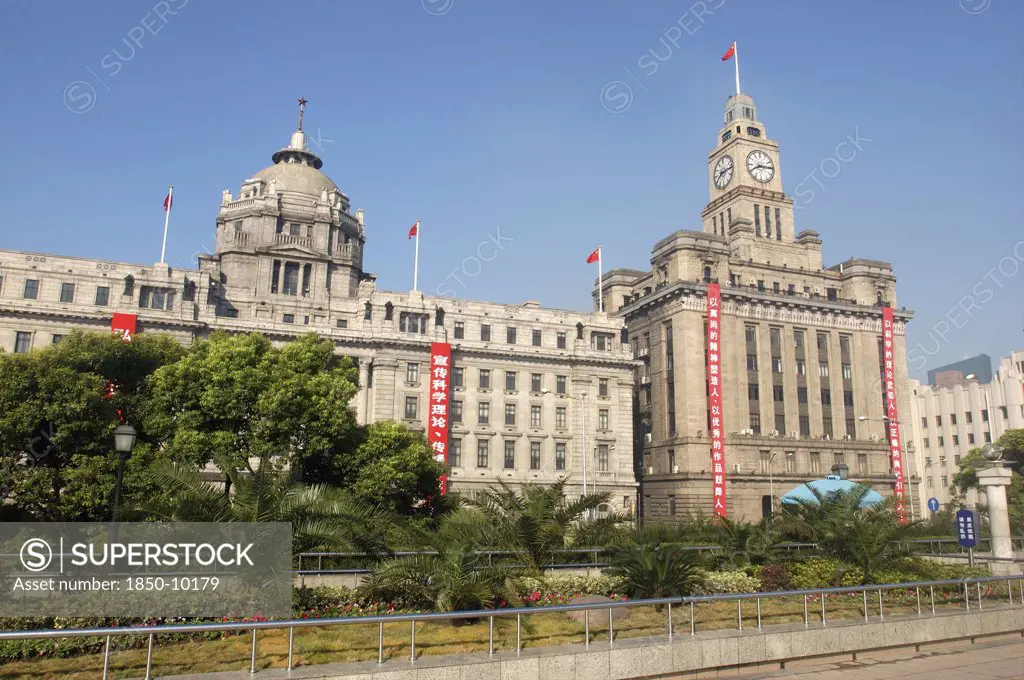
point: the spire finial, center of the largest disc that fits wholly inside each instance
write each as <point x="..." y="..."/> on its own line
<point x="302" y="108"/>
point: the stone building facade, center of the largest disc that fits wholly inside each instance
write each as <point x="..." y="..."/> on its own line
<point x="800" y="345"/>
<point x="537" y="393"/>
<point x="948" y="421"/>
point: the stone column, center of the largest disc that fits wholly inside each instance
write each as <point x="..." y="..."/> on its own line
<point x="994" y="480"/>
<point x="363" y="397"/>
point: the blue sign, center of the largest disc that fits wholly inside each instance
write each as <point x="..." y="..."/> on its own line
<point x="966" y="528"/>
<point x="933" y="504"/>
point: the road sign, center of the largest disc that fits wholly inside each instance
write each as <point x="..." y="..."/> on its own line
<point x="966" y="528"/>
<point x="933" y="504"/>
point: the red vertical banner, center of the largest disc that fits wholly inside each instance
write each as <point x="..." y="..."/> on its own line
<point x="715" y="397"/>
<point x="892" y="414"/>
<point x="123" y="325"/>
<point x="437" y="425"/>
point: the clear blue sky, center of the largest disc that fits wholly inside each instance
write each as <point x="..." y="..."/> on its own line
<point x="474" y="114"/>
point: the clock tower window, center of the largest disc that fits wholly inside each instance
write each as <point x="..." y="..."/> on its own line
<point x="778" y="225"/>
<point x="724" y="226"/>
<point x="767" y="222"/>
<point x="757" y="219"/>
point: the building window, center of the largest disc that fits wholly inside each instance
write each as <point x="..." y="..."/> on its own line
<point x="851" y="427"/>
<point x="559" y="384"/>
<point x="510" y="414"/>
<point x="790" y="462"/>
<point x="483" y="413"/>
<point x="778" y="393"/>
<point x="952" y="419"/>
<point x="801" y="367"/>
<point x="288" y="318"/>
<point x="826" y="397"/>
<point x="847" y="372"/>
<point x="766" y="458"/>
<point x="801" y="395"/>
<point x="780" y="423"/>
<point x="560" y="340"/>
<point x="456" y="411"/>
<point x="102" y="295"/>
<point x="601" y="341"/>
<point x="67" y="292"/>
<point x="672" y="505"/>
<point x="826" y="426"/>
<point x="969" y="417"/>
<point x="31" y="289"/>
<point x="757" y="219"/>
<point x="1003" y="413"/>
<point x="534" y="455"/>
<point x="22" y="342"/>
<point x="536" y="383"/>
<point x="510" y="454"/>
<point x="970" y="437"/>
<point x="815" y="461"/>
<point x="482" y="451"/>
<point x="510" y="335"/>
<point x="984" y="415"/>
<point x="458" y="374"/>
<point x="602" y="419"/>
<point x="536" y="337"/>
<point x="535" y="412"/>
<point x="805" y="426"/>
<point x="455" y="453"/>
<point x="560" y="418"/>
<point x="290" y="285"/>
<point x="510" y="381"/>
<point x="156" y="298"/>
<point x="411" y="408"/>
<point x="412" y="373"/>
<point x="823" y="369"/>
<point x="560" y="456"/>
<point x="777" y="365"/>
<point x="485" y="333"/>
<point x="926" y="442"/>
<point x="602" y="387"/>
<point x="848" y="398"/>
<point x="751" y="362"/>
<point x="485" y="379"/>
<point x="602" y="458"/>
<point x="956" y="440"/>
<point x="460" y="330"/>
<point x="753" y="392"/>
<point x="755" y="422"/>
<point x="57" y="338"/>
<point x="778" y="224"/>
<point x="942" y="441"/>
<point x="988" y="437"/>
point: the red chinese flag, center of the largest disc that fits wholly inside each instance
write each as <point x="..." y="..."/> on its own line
<point x="594" y="256"/>
<point x="729" y="52"/>
<point x="415" y="230"/>
<point x="167" y="202"/>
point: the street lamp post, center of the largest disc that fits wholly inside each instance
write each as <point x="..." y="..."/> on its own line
<point x="124" y="440"/>
<point x="771" y="478"/>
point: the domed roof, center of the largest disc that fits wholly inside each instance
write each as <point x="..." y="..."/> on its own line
<point x="297" y="169"/>
<point x="827" y="487"/>
<point x="297" y="177"/>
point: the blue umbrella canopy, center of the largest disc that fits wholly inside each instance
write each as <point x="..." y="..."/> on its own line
<point x="826" y="487"/>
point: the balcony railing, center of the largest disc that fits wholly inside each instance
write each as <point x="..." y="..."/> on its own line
<point x="288" y="239"/>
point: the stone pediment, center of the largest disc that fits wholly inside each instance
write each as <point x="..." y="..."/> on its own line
<point x="291" y="249"/>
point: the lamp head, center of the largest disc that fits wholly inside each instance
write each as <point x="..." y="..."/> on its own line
<point x="992" y="452"/>
<point x="124" y="438"/>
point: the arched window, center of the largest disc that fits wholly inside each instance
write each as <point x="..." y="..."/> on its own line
<point x="579" y="331"/>
<point x="129" y="285"/>
<point x="439" y="317"/>
<point x="707" y="274"/>
<point x="389" y="311"/>
<point x="368" y="311"/>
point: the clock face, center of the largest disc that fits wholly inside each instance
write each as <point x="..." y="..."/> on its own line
<point x="760" y="166"/>
<point x="723" y="171"/>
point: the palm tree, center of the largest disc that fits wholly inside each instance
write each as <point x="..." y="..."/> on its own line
<point x="655" y="570"/>
<point x="322" y="517"/>
<point x="538" y="522"/>
<point x="841" y="528"/>
<point x="450" y="575"/>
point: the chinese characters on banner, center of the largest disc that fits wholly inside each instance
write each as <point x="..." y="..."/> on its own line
<point x="715" y="398"/>
<point x="437" y="425"/>
<point x="892" y="415"/>
<point x="123" y="325"/>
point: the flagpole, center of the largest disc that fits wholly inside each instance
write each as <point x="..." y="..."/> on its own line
<point x="416" y="261"/>
<point x="600" y="283"/>
<point x="736" y="56"/>
<point x="167" y="219"/>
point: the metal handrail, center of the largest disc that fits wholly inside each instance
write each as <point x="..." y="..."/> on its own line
<point x="519" y="612"/>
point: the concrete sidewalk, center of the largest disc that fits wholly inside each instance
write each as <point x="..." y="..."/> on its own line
<point x="995" y="660"/>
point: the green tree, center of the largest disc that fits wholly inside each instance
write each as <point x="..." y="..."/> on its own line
<point x="395" y="468"/>
<point x="539" y="522"/>
<point x="322" y="517"/>
<point x="57" y="418"/>
<point x="451" y="575"/>
<point x="655" y="570"/>
<point x="1012" y="444"/>
<point x="840" y="527"/>
<point x="237" y="399"/>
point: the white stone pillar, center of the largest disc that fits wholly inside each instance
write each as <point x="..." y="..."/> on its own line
<point x="994" y="481"/>
<point x="363" y="396"/>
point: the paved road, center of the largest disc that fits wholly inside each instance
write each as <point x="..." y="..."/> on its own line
<point x="985" y="661"/>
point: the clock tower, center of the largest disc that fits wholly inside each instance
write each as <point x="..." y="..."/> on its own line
<point x="744" y="178"/>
